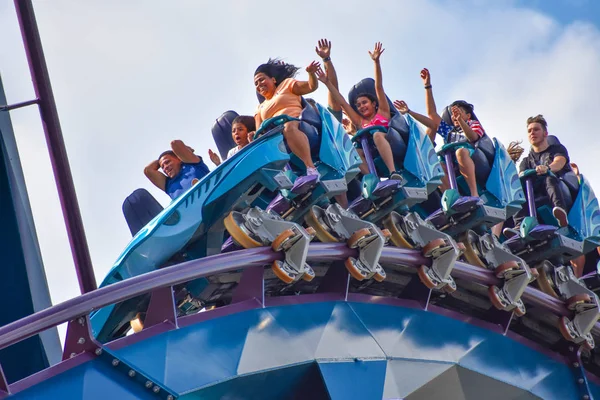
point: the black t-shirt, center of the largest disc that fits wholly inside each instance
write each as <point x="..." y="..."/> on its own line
<point x="546" y="158"/>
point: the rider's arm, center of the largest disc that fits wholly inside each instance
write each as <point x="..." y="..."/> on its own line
<point x="337" y="96"/>
<point x="558" y="163"/>
<point x="184" y="153"/>
<point x="429" y="123"/>
<point x="257" y="119"/>
<point x="155" y="176"/>
<point x="473" y="133"/>
<point x="384" y="106"/>
<point x="332" y="75"/>
<point x="300" y="88"/>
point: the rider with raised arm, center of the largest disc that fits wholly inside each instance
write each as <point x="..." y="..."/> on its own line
<point x="466" y="128"/>
<point x="181" y="167"/>
<point x="242" y="131"/>
<point x="323" y="50"/>
<point x="545" y="157"/>
<point x="371" y="111"/>
<point x="275" y="83"/>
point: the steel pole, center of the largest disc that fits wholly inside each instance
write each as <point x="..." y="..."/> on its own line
<point x="56" y="145"/>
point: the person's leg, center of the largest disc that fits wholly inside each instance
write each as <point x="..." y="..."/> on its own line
<point x="557" y="199"/>
<point x="385" y="150"/>
<point x="298" y="143"/>
<point x="467" y="170"/>
<point x="364" y="168"/>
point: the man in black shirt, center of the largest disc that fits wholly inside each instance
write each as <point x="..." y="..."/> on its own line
<point x="545" y="157"/>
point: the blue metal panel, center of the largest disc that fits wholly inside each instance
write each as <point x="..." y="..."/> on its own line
<point x="405" y="376"/>
<point x="354" y="380"/>
<point x="416" y="334"/>
<point x="385" y="351"/>
<point x="594" y="390"/>
<point x="94" y="380"/>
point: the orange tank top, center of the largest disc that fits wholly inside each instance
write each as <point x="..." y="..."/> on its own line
<point x="284" y="101"/>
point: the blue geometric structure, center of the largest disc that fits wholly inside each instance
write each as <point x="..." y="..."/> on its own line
<point x="362" y="350"/>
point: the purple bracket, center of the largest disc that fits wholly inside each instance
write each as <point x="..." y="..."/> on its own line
<point x="450" y="169"/>
<point x="573" y="353"/>
<point x="15" y="106"/>
<point x="79" y="338"/>
<point x="416" y="290"/>
<point x="500" y="318"/>
<point x="336" y="279"/>
<point x="4" y="390"/>
<point x="161" y="308"/>
<point x="251" y="286"/>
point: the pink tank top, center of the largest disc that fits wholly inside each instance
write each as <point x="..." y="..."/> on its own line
<point x="377" y="120"/>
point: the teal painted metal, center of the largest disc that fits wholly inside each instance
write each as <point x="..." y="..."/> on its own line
<point x="23" y="286"/>
<point x="363" y="351"/>
<point x="504" y="181"/>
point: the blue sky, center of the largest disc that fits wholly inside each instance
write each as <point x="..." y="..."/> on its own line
<point x="129" y="77"/>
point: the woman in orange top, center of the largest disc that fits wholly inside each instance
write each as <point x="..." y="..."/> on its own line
<point x="274" y="81"/>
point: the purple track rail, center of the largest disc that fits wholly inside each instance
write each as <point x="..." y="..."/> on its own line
<point x="243" y="259"/>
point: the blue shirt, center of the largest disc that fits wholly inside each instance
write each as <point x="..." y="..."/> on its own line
<point x="175" y="186"/>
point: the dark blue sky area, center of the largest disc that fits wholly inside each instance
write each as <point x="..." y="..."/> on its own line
<point x="567" y="11"/>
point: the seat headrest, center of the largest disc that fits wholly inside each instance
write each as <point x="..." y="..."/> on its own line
<point x="221" y="132"/>
<point x="366" y="85"/>
<point x="553" y="140"/>
<point x="309" y="113"/>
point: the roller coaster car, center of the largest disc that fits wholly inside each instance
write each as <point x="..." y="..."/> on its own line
<point x="549" y="248"/>
<point x="332" y="153"/>
<point x="469" y="219"/>
<point x="414" y="158"/>
<point x="192" y="226"/>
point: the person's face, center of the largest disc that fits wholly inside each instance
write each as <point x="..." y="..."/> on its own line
<point x="463" y="114"/>
<point x="170" y="165"/>
<point x="536" y="133"/>
<point x="264" y="85"/>
<point x="365" y="107"/>
<point x="239" y="133"/>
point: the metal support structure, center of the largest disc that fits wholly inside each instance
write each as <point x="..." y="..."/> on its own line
<point x="161" y="307"/>
<point x="79" y="338"/>
<point x="4" y="390"/>
<point x="573" y="354"/>
<point x="15" y="106"/>
<point x="56" y="145"/>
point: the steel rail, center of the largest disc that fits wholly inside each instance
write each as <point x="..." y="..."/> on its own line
<point x="221" y="263"/>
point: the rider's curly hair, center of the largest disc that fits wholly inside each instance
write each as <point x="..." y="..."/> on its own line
<point x="515" y="150"/>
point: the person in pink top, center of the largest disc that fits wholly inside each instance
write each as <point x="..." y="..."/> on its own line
<point x="371" y="111"/>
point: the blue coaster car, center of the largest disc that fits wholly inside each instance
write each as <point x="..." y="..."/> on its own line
<point x="500" y="193"/>
<point x="192" y="226"/>
<point x="549" y="247"/>
<point x="333" y="155"/>
<point x="414" y="158"/>
<point x="540" y="238"/>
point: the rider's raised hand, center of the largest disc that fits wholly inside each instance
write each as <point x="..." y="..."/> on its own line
<point x="426" y="77"/>
<point x="214" y="157"/>
<point x="401" y="106"/>
<point x="251" y="136"/>
<point x="323" y="48"/>
<point x="321" y="75"/>
<point x="312" y="67"/>
<point x="377" y="51"/>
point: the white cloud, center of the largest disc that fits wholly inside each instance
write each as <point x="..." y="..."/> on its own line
<point x="130" y="76"/>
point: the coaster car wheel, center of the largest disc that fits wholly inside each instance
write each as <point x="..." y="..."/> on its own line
<point x="280" y="272"/>
<point x="282" y="239"/>
<point x="234" y="223"/>
<point x="430" y="248"/>
<point x="314" y="219"/>
<point x="398" y="235"/>
<point x="353" y="269"/>
<point x="502" y="269"/>
<point x="471" y="252"/>
<point x="545" y="282"/>
<point x="357" y="237"/>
